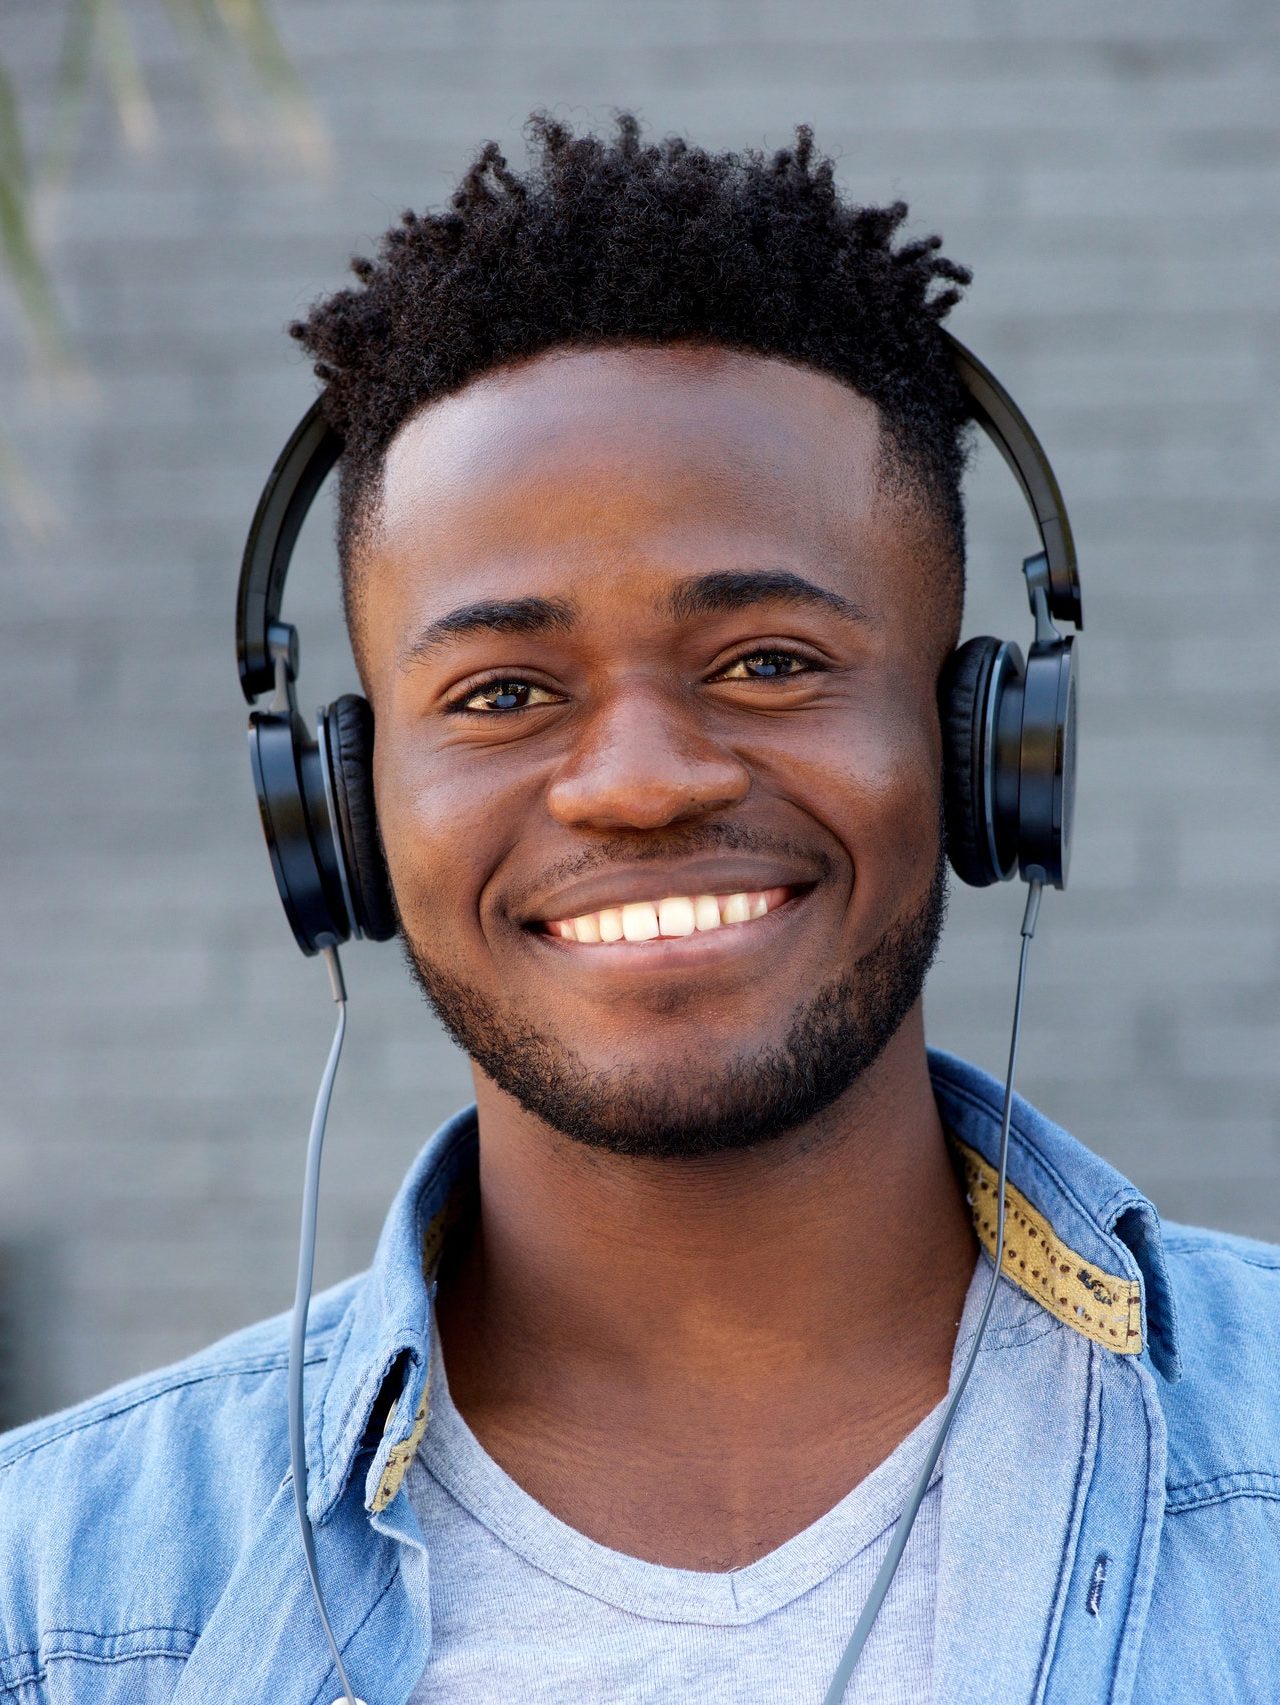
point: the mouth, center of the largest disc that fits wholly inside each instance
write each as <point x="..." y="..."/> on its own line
<point x="672" y="918"/>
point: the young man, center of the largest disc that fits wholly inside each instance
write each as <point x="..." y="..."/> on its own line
<point x="652" y="545"/>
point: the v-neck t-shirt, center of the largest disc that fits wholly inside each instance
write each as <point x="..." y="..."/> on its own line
<point x="524" y="1608"/>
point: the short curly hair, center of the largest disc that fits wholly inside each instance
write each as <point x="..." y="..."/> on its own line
<point x="617" y="241"/>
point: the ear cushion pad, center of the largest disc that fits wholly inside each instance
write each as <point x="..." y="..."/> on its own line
<point x="352" y="722"/>
<point x="962" y="696"/>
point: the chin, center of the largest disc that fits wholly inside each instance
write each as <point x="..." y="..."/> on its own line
<point x="739" y="1098"/>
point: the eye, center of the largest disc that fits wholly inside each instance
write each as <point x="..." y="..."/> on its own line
<point x="503" y="695"/>
<point x="765" y="666"/>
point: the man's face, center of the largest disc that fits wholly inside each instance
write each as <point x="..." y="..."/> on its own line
<point x="651" y="647"/>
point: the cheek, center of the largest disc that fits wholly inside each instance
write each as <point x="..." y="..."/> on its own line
<point x="436" y="832"/>
<point x="883" y="803"/>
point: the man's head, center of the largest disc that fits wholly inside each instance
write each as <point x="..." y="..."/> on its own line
<point x="652" y="549"/>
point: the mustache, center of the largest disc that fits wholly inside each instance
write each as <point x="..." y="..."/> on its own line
<point x="646" y="848"/>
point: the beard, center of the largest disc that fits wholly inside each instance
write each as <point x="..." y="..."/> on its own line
<point x="696" y="1106"/>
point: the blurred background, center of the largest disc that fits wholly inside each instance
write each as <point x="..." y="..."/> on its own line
<point x="178" y="180"/>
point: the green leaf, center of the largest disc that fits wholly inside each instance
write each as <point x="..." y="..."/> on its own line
<point x="22" y="258"/>
<point x="245" y="27"/>
<point x="215" y="31"/>
<point x="75" y="62"/>
<point x="124" y="75"/>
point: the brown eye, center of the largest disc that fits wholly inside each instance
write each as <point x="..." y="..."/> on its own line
<point x="764" y="666"/>
<point x="503" y="695"/>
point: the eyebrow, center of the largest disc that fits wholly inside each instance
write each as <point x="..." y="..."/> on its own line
<point x="704" y="595"/>
<point x="491" y="615"/>
<point x="711" y="594"/>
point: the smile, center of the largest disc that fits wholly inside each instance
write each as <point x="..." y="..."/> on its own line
<point x="667" y="919"/>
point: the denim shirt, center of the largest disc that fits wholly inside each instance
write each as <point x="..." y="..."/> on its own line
<point x="1111" y="1501"/>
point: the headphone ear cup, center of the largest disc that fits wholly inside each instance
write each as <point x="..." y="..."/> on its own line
<point x="350" y="722"/>
<point x="1047" y="767"/>
<point x="964" y="692"/>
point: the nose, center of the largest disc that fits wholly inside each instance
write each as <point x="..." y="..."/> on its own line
<point x="643" y="761"/>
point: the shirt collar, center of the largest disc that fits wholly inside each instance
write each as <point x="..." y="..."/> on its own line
<point x="381" y="1353"/>
<point x="1080" y="1239"/>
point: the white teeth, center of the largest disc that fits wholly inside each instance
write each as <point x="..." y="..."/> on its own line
<point x="706" y="912"/>
<point x="645" y="920"/>
<point x="640" y="921"/>
<point x="675" y="917"/>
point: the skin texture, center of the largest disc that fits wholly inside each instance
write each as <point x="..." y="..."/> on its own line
<point x="688" y="1356"/>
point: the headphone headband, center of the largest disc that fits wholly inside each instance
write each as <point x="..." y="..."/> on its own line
<point x="292" y="484"/>
<point x="306" y="459"/>
<point x="1010" y="431"/>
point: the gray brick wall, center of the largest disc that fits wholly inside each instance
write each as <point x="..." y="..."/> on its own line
<point x="1111" y="174"/>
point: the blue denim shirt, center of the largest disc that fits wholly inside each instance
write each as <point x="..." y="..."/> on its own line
<point x="1111" y="1502"/>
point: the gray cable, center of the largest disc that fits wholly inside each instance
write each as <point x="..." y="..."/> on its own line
<point x="302" y="1303"/>
<point x="902" y="1531"/>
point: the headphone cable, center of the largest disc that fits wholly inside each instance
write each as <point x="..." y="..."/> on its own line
<point x="902" y="1529"/>
<point x="302" y="1303"/>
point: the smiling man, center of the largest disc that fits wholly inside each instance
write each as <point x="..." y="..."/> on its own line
<point x="653" y="557"/>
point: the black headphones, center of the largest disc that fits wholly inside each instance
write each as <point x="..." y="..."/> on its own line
<point x="1008" y="725"/>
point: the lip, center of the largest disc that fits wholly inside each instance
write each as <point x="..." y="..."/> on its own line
<point x="624" y="884"/>
<point x="671" y="953"/>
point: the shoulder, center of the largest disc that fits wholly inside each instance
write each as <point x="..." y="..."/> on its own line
<point x="144" y="1496"/>
<point x="1224" y="1413"/>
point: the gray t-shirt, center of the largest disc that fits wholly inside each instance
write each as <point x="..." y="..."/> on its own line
<point x="525" y="1609"/>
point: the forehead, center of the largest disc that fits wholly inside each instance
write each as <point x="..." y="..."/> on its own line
<point x="650" y="434"/>
<point x="606" y="473"/>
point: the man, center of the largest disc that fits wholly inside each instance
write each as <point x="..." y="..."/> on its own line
<point x="652" y="545"/>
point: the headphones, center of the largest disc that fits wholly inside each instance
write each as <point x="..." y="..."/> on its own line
<point x="1008" y="723"/>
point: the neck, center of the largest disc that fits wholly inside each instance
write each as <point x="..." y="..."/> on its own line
<point x="837" y="1255"/>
